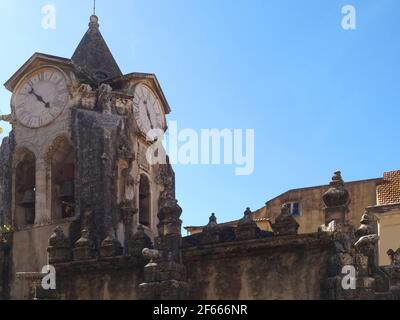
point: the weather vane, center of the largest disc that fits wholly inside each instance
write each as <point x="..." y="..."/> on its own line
<point x="94" y="7"/>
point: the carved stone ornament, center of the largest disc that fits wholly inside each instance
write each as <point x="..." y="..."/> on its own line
<point x="394" y="257"/>
<point x="105" y="98"/>
<point x="84" y="247"/>
<point x="285" y="224"/>
<point x="139" y="241"/>
<point x="59" y="249"/>
<point x="110" y="247"/>
<point x="337" y="195"/>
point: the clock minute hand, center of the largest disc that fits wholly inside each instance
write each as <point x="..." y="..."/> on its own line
<point x="39" y="98"/>
<point x="148" y="116"/>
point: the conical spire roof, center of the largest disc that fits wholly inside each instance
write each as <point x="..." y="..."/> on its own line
<point x="93" y="55"/>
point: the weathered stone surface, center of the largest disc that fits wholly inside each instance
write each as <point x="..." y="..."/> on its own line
<point x="272" y="268"/>
<point x="285" y="224"/>
<point x="59" y="249"/>
<point x="84" y="248"/>
<point x="6" y="151"/>
<point x="336" y="200"/>
<point x="110" y="247"/>
<point x="247" y="229"/>
<point x="138" y="242"/>
<point x="94" y="56"/>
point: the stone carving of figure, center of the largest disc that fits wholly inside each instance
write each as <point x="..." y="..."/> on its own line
<point x="105" y="98"/>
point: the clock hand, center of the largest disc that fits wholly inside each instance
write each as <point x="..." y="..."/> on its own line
<point x="39" y="98"/>
<point x="148" y="116"/>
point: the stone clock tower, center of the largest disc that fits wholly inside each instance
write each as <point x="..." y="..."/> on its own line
<point x="76" y="155"/>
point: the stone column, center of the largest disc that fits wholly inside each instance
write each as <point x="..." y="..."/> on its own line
<point x="42" y="215"/>
<point x="165" y="279"/>
<point x="353" y="254"/>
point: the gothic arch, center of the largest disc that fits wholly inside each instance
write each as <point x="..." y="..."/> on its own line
<point x="54" y="146"/>
<point x="21" y="153"/>
<point x="24" y="187"/>
<point x="59" y="160"/>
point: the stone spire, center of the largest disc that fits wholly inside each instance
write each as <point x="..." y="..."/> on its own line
<point x="93" y="55"/>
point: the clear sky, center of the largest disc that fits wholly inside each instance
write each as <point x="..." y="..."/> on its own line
<point x="319" y="98"/>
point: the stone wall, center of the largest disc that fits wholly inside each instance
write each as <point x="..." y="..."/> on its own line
<point x="115" y="278"/>
<point x="289" y="267"/>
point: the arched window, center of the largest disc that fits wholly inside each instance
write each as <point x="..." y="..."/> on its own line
<point x="62" y="164"/>
<point x="144" y="201"/>
<point x="25" y="186"/>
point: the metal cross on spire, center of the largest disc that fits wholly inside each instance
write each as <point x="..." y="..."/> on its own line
<point x="94" y="7"/>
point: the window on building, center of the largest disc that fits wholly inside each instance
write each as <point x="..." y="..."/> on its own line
<point x="144" y="201"/>
<point x="295" y="209"/>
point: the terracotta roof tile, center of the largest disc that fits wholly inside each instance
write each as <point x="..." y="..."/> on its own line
<point x="389" y="191"/>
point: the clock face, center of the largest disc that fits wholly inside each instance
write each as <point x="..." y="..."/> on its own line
<point x="40" y="97"/>
<point x="147" y="110"/>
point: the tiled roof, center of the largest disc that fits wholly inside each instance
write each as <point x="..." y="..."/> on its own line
<point x="389" y="191"/>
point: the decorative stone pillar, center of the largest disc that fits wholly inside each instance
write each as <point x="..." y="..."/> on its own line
<point x="42" y="215"/>
<point x="285" y="224"/>
<point x="353" y="250"/>
<point x="166" y="279"/>
<point x="59" y="249"/>
<point x="127" y="212"/>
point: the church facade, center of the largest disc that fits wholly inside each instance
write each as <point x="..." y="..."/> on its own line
<point x="78" y="192"/>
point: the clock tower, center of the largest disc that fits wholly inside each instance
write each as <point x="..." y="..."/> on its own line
<point x="76" y="157"/>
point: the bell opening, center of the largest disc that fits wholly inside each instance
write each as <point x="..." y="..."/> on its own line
<point x="63" y="181"/>
<point x="25" y="196"/>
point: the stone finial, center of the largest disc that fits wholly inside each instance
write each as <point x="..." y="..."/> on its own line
<point x="212" y="224"/>
<point x="94" y="22"/>
<point x="84" y="248"/>
<point x="394" y="257"/>
<point x="247" y="229"/>
<point x="247" y="219"/>
<point x="211" y="232"/>
<point x="337" y="195"/>
<point x="59" y="249"/>
<point x="285" y="224"/>
<point x="169" y="215"/>
<point x="336" y="200"/>
<point x="110" y="247"/>
<point x="139" y="241"/>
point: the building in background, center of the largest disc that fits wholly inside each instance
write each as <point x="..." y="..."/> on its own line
<point x="379" y="196"/>
<point x="387" y="214"/>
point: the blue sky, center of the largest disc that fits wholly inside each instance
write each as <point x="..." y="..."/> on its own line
<point x="318" y="97"/>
